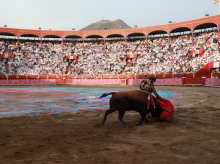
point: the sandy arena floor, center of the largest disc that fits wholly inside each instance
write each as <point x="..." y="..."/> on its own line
<point x="51" y="127"/>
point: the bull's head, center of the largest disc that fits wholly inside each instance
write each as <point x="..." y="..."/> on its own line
<point x="156" y="113"/>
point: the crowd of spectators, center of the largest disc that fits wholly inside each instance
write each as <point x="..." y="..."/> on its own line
<point x="157" y="56"/>
<point x="97" y="60"/>
<point x="31" y="60"/>
<point x="178" y="57"/>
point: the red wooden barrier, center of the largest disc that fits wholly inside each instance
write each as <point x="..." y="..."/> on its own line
<point x="142" y="76"/>
<point x="12" y="77"/>
<point x="52" y="76"/>
<point x="2" y="77"/>
<point x="123" y="82"/>
<point x="122" y="76"/>
<point x="168" y="75"/>
<point x="193" y="81"/>
<point x="31" y="76"/>
<point x="159" y="76"/>
<point x="216" y="75"/>
<point x="68" y="81"/>
<point x="60" y="81"/>
<point x="42" y="77"/>
<point x="114" y="76"/>
<point x="189" y="75"/>
<point x="87" y="76"/>
<point x="105" y="77"/>
<point x="69" y="76"/>
<point x="99" y="76"/>
<point x="78" y="77"/>
<point x="22" y="77"/>
<point x="179" y="75"/>
<point x="198" y="81"/>
<point x="188" y="81"/>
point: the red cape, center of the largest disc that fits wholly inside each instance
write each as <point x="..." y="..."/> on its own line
<point x="169" y="106"/>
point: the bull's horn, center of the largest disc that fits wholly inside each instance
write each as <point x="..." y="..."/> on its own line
<point x="167" y="110"/>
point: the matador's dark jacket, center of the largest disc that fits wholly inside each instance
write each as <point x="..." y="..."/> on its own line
<point x="146" y="85"/>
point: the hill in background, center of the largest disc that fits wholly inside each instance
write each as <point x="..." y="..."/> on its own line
<point x="106" y="25"/>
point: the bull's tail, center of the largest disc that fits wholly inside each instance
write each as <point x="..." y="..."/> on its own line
<point x="106" y="94"/>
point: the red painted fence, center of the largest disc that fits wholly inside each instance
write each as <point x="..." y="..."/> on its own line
<point x="27" y="82"/>
<point x="164" y="81"/>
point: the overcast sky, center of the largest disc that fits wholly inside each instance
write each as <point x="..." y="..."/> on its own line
<point x="67" y="14"/>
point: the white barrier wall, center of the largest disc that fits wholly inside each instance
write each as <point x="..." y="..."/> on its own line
<point x="92" y="81"/>
<point x="212" y="82"/>
<point x="171" y="81"/>
<point x="96" y="81"/>
<point x="27" y="81"/>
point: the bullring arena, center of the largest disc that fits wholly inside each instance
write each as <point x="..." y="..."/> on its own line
<point x="50" y="108"/>
<point x="62" y="124"/>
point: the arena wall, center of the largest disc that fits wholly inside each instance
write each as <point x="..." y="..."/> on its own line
<point x="63" y="80"/>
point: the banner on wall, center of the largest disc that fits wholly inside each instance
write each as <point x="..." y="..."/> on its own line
<point x="132" y="56"/>
<point x="198" y="52"/>
<point x="71" y="57"/>
<point x="214" y="65"/>
<point x="6" y="56"/>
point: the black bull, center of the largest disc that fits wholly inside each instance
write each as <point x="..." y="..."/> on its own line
<point x="132" y="100"/>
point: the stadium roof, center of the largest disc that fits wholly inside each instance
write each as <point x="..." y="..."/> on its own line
<point x="94" y="36"/>
<point x="206" y="25"/>
<point x="6" y="34"/>
<point x="29" y="35"/>
<point x="181" y="29"/>
<point x="51" y="36"/>
<point x="158" y="32"/>
<point x="136" y="34"/>
<point x="198" y="24"/>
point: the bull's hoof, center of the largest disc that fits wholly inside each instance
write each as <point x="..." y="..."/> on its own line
<point x="146" y="121"/>
<point x="138" y="124"/>
<point x="103" y="122"/>
<point x="157" y="119"/>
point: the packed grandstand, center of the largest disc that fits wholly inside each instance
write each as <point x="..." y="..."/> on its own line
<point x="181" y="52"/>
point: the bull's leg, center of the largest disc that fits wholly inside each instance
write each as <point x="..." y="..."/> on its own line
<point x="143" y="117"/>
<point x="146" y="121"/>
<point x="109" y="111"/>
<point x="120" y="117"/>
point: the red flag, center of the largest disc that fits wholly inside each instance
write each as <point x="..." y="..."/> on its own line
<point x="216" y="1"/>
